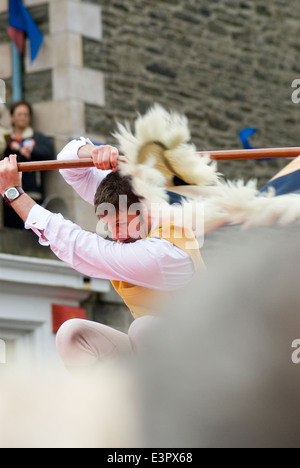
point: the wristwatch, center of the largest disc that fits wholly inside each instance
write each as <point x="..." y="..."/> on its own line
<point x="13" y="194"/>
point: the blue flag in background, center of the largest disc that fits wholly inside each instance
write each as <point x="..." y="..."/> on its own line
<point x="244" y="135"/>
<point x="21" y="20"/>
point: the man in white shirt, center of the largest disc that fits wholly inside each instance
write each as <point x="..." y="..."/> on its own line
<point x="151" y="263"/>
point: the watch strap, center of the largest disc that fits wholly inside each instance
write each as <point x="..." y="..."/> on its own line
<point x="19" y="190"/>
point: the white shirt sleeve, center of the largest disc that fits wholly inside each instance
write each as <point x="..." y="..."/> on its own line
<point x="152" y="263"/>
<point x="84" y="181"/>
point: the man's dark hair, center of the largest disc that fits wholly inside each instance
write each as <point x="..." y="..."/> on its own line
<point x="112" y="187"/>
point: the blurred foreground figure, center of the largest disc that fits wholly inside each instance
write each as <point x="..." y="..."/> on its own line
<point x="218" y="371"/>
<point x="47" y="410"/>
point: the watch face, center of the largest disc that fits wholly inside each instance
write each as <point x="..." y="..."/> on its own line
<point x="12" y="194"/>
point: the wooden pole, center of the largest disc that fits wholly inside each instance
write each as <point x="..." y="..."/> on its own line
<point x="54" y="165"/>
<point x="264" y="153"/>
<point x="229" y="155"/>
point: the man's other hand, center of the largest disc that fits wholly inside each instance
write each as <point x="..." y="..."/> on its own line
<point x="106" y="158"/>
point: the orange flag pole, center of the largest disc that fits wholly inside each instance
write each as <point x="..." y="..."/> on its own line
<point x="226" y="155"/>
<point x="54" y="165"/>
<point x="264" y="153"/>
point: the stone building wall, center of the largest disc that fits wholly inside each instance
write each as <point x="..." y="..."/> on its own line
<point x="227" y="64"/>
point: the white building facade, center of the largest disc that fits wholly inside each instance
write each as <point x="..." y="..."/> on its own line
<point x="29" y="287"/>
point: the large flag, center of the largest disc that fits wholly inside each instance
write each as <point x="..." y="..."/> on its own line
<point x="21" y="23"/>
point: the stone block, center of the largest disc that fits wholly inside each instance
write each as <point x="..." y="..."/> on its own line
<point x="64" y="119"/>
<point x="61" y="50"/>
<point x="37" y="86"/>
<point x="79" y="83"/>
<point x="81" y="18"/>
<point x="5" y="62"/>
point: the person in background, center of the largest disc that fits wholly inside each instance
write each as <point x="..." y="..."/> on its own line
<point x="28" y="145"/>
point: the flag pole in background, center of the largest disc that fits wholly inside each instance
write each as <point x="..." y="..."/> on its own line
<point x="17" y="82"/>
<point x="21" y="23"/>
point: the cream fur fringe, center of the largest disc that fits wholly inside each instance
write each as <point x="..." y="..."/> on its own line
<point x="219" y="203"/>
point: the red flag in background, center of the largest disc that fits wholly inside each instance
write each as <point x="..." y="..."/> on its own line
<point x="18" y="38"/>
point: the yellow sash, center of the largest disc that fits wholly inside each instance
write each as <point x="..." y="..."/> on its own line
<point x="145" y="301"/>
